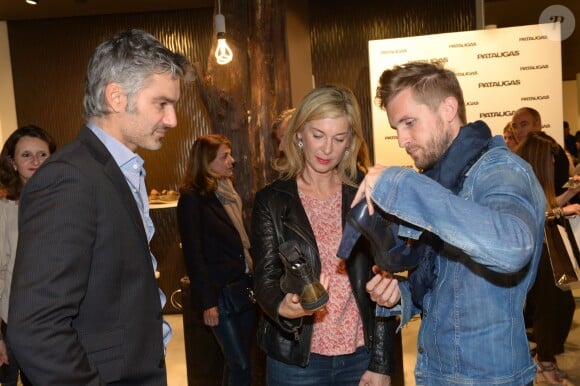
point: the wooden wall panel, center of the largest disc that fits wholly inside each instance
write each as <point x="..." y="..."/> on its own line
<point x="49" y="61"/>
<point x="341" y="29"/>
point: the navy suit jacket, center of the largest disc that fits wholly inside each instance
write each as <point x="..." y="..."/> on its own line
<point x="84" y="307"/>
<point x="212" y="247"/>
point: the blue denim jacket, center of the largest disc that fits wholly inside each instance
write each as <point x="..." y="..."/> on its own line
<point x="480" y="249"/>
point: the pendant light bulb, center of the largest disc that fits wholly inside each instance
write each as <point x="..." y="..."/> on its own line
<point x="223" y="52"/>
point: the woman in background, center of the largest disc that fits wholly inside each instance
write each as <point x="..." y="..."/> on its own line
<point x="342" y="343"/>
<point x="216" y="251"/>
<point x="553" y="309"/>
<point x="23" y="152"/>
<point x="509" y="137"/>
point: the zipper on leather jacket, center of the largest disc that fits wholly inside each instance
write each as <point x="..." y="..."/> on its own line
<point x="297" y="231"/>
<point x="305" y="239"/>
<point x="316" y="262"/>
<point x="296" y="334"/>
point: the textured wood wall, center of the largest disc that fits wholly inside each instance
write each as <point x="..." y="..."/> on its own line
<point x="341" y="29"/>
<point x="49" y="61"/>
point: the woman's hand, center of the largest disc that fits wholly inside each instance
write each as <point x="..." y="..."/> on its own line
<point x="370" y="378"/>
<point x="366" y="187"/>
<point x="571" y="210"/>
<point x="211" y="317"/>
<point x="290" y="307"/>
<point x="384" y="288"/>
<point x="569" y="193"/>
<point x="3" y="354"/>
<point x="576" y="179"/>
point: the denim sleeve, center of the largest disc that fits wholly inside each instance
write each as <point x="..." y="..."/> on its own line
<point x="494" y="220"/>
<point x="405" y="308"/>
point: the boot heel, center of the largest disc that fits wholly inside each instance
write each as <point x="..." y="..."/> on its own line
<point x="350" y="236"/>
<point x="313" y="297"/>
<point x="298" y="277"/>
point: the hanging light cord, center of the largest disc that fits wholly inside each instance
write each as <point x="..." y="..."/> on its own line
<point x="223" y="53"/>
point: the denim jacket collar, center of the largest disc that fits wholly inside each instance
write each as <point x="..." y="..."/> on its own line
<point x="471" y="142"/>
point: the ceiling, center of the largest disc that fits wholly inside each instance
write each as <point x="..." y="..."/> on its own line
<point x="511" y="13"/>
<point x="48" y="9"/>
<point x="503" y="13"/>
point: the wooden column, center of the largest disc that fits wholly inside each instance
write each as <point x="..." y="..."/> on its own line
<point x="244" y="96"/>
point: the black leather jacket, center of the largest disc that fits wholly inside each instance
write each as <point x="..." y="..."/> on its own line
<point x="278" y="216"/>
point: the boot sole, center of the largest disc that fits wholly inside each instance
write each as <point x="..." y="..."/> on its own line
<point x="318" y="304"/>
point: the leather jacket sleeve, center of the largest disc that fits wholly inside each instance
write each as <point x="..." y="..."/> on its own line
<point x="383" y="349"/>
<point x="380" y="331"/>
<point x="268" y="268"/>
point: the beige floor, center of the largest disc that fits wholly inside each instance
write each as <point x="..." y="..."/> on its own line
<point x="569" y="361"/>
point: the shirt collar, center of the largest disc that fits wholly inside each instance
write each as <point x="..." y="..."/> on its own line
<point x="121" y="153"/>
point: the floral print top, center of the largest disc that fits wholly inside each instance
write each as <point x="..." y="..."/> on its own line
<point x="338" y="328"/>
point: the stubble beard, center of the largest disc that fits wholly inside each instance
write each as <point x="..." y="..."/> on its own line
<point x="434" y="149"/>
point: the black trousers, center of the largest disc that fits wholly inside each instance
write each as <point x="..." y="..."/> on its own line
<point x="552" y="312"/>
<point x="234" y="334"/>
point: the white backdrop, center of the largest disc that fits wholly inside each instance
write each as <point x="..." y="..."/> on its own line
<point x="500" y="70"/>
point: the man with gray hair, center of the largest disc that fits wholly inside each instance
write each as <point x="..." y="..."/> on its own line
<point x="85" y="308"/>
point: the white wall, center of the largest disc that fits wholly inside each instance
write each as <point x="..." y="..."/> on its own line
<point x="8" y="121"/>
<point x="499" y="70"/>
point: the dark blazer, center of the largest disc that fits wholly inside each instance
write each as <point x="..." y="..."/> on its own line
<point x="212" y="247"/>
<point x="84" y="306"/>
<point x="279" y="216"/>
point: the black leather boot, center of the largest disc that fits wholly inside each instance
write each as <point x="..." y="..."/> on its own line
<point x="299" y="277"/>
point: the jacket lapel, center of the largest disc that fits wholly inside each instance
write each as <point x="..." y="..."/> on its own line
<point x="220" y="212"/>
<point x="114" y="173"/>
<point x="294" y="217"/>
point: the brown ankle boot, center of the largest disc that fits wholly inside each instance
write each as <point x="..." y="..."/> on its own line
<point x="299" y="277"/>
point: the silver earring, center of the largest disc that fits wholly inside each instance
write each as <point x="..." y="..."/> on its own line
<point x="300" y="144"/>
<point x="346" y="152"/>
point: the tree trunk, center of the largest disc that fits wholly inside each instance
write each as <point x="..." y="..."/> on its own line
<point x="244" y="96"/>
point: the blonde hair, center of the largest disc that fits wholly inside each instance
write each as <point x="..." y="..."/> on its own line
<point x="320" y="103"/>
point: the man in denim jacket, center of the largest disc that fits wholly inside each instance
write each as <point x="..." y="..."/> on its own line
<point x="475" y="216"/>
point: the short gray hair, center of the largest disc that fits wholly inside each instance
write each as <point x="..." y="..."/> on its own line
<point x="129" y="58"/>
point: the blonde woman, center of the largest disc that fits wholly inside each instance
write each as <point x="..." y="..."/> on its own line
<point x="341" y="343"/>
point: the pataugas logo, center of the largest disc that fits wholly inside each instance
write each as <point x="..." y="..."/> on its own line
<point x="460" y="45"/>
<point x="467" y="73"/>
<point x="538" y="67"/>
<point x="535" y="98"/>
<point x="497" y="114"/>
<point x="432" y="60"/>
<point x="528" y="38"/>
<point x="495" y="55"/>
<point x="503" y="83"/>
<point x="398" y="51"/>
